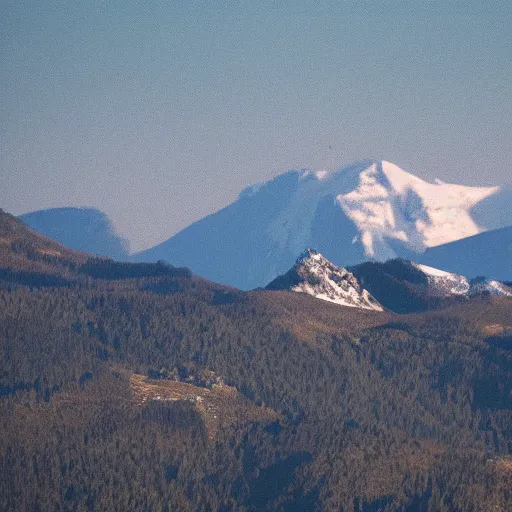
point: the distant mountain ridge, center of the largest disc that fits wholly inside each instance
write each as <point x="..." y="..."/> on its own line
<point x="83" y="229"/>
<point x="368" y="211"/>
<point x="22" y="248"/>
<point x="404" y="286"/>
<point x="486" y="254"/>
<point x="399" y="285"/>
<point x="371" y="210"/>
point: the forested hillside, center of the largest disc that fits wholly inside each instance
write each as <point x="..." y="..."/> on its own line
<point x="143" y="387"/>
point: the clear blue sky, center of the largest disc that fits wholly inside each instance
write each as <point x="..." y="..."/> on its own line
<point x="159" y="113"/>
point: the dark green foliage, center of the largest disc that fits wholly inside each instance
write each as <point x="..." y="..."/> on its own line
<point x="100" y="268"/>
<point x="164" y="287"/>
<point x="402" y="413"/>
<point x="10" y="277"/>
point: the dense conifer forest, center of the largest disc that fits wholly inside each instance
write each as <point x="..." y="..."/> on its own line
<point x="140" y="387"/>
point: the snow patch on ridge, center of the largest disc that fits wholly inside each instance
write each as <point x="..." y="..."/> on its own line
<point x="432" y="271"/>
<point x="318" y="277"/>
<point x="447" y="284"/>
<point x="483" y="286"/>
<point x="444" y="284"/>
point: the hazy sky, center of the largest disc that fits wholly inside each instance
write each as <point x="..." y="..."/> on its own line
<point x="159" y="113"/>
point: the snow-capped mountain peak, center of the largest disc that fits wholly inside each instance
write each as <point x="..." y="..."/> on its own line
<point x="389" y="207"/>
<point x="390" y="203"/>
<point x="370" y="210"/>
<point x="311" y="255"/>
<point x="315" y="275"/>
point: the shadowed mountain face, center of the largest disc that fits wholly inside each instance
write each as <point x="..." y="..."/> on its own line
<point x="488" y="254"/>
<point x="367" y="211"/>
<point x="83" y="229"/>
<point x="22" y="249"/>
<point x="494" y="211"/>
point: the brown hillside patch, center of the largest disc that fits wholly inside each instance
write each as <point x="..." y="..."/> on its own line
<point x="220" y="406"/>
<point x="49" y="252"/>
<point x="119" y="389"/>
<point x="495" y="329"/>
<point x="502" y="467"/>
<point x="308" y="317"/>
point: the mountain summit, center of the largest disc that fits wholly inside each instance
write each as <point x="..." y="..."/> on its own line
<point x="368" y="210"/>
<point x="315" y="275"/>
<point x="83" y="229"/>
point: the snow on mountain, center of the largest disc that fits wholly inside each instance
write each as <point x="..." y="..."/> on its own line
<point x="404" y="286"/>
<point x="390" y="202"/>
<point x="481" y="286"/>
<point x="399" y="285"/>
<point x="368" y="210"/>
<point x="385" y="203"/>
<point x="317" y="276"/>
<point x="449" y="284"/>
<point x="442" y="283"/>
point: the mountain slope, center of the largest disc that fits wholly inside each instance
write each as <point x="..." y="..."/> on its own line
<point x="139" y="389"/>
<point x="369" y="210"/>
<point x="486" y="254"/>
<point x="22" y="248"/>
<point x="316" y="276"/>
<point x="31" y="259"/>
<point x="404" y="286"/>
<point x="494" y="211"/>
<point x="84" y="229"/>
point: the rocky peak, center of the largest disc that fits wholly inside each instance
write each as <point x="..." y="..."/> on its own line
<point x="317" y="276"/>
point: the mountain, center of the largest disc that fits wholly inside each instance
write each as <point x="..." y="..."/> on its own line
<point x="23" y="249"/>
<point x="28" y="258"/>
<point x="369" y="210"/>
<point x="141" y="387"/>
<point x="486" y="254"/>
<point x="316" y="276"/>
<point x="84" y="229"/>
<point x="404" y="286"/>
<point x="399" y="285"/>
<point x="482" y="286"/>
